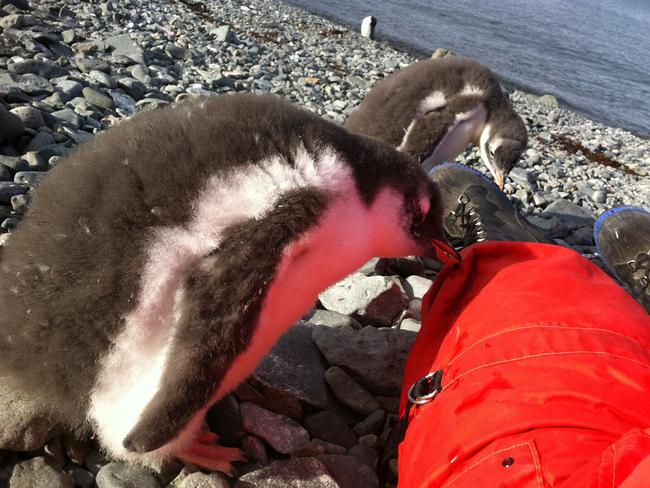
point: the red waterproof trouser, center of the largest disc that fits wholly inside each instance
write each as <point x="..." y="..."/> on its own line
<point x="546" y="375"/>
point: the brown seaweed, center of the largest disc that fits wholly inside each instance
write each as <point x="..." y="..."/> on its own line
<point x="574" y="147"/>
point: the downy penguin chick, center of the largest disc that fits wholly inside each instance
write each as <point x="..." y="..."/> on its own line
<point x="433" y="109"/>
<point x="162" y="260"/>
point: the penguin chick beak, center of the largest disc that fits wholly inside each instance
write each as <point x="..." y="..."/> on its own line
<point x="500" y="179"/>
<point x="432" y="240"/>
<point x="445" y="253"/>
<point x="438" y="248"/>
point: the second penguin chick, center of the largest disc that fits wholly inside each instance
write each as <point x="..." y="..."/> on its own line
<point x="433" y="109"/>
<point x="161" y="261"/>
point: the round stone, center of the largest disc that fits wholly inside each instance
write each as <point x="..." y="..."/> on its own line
<point x="30" y="116"/>
<point x="372" y="424"/>
<point x="10" y="224"/>
<point x="97" y="98"/>
<point x="122" y="475"/>
<point x="599" y="196"/>
<point x="40" y="68"/>
<point x="30" y="179"/>
<point x="102" y="78"/>
<point x="40" y="141"/>
<point x="141" y="74"/>
<point x="38" y="473"/>
<point x="70" y="87"/>
<point x="134" y="88"/>
<point x="331" y="428"/>
<point x="5" y="174"/>
<point x="203" y="480"/>
<point x="9" y="189"/>
<point x="349" y="392"/>
<point x="14" y="163"/>
<point x="10" y="125"/>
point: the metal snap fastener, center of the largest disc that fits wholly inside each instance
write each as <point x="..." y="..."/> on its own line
<point x="507" y="462"/>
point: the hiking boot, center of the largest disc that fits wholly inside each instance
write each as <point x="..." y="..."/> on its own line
<point x="622" y="237"/>
<point x="477" y="210"/>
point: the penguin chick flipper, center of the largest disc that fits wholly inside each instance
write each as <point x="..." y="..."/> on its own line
<point x="189" y="381"/>
<point x="203" y="450"/>
<point x="211" y="331"/>
<point x="161" y="422"/>
<point x="425" y="133"/>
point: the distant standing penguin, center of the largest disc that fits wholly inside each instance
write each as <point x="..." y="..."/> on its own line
<point x="433" y="109"/>
<point x="161" y="261"/>
<point x="368" y="25"/>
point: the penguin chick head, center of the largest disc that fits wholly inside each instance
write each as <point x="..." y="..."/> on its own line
<point x="502" y="142"/>
<point x="403" y="206"/>
<point x="407" y="222"/>
<point x="424" y="219"/>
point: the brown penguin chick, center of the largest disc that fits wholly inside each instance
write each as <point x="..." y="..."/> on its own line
<point x="433" y="109"/>
<point x="162" y="260"/>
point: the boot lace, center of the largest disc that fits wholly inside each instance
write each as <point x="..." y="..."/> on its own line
<point x="464" y="225"/>
<point x="636" y="276"/>
<point x="639" y="267"/>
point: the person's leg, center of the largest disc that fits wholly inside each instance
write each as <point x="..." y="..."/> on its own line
<point x="622" y="237"/>
<point x="542" y="360"/>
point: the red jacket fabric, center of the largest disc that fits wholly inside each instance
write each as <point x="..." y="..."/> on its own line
<point x="546" y="379"/>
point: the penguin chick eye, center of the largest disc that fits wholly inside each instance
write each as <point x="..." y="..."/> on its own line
<point x="491" y="153"/>
<point x="417" y="216"/>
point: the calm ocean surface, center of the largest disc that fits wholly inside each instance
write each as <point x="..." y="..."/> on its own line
<point x="594" y="55"/>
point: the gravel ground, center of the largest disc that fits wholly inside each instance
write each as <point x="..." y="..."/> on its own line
<point x="71" y="69"/>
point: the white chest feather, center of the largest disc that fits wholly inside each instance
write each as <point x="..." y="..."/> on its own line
<point x="466" y="129"/>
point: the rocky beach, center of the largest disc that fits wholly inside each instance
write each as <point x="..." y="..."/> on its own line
<point x="320" y="406"/>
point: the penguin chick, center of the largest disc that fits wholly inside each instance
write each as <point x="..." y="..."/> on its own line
<point x="433" y="109"/>
<point x="368" y="25"/>
<point x="162" y="260"/>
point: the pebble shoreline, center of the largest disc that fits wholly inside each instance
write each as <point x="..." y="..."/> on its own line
<point x="314" y="411"/>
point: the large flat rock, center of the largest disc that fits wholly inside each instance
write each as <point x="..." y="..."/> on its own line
<point x="295" y="367"/>
<point x="283" y="434"/>
<point x="374" y="357"/>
